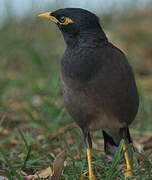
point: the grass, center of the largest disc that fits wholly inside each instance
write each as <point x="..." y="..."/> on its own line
<point x="34" y="123"/>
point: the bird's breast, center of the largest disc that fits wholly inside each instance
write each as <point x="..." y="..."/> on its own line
<point x="84" y="109"/>
<point x="81" y="64"/>
<point x="77" y="102"/>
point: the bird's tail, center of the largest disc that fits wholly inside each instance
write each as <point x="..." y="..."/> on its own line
<point x="112" y="138"/>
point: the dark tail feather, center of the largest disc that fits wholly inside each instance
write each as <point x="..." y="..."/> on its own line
<point x="112" y="138"/>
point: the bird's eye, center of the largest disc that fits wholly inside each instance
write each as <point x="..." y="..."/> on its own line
<point x="62" y="19"/>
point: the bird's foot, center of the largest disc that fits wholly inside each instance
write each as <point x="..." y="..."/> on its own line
<point x="128" y="172"/>
<point x="91" y="176"/>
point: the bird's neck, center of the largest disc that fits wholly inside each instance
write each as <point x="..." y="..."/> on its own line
<point x="86" y="38"/>
<point x="92" y="38"/>
<point x="81" y="58"/>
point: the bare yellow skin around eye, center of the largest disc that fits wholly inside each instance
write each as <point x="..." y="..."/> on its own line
<point x="67" y="21"/>
<point x="47" y="15"/>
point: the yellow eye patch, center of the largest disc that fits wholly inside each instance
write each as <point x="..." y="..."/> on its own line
<point x="47" y="15"/>
<point x="67" y="21"/>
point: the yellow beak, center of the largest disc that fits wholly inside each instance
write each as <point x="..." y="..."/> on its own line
<point x="47" y="15"/>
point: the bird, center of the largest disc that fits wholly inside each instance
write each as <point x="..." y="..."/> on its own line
<point x="98" y="83"/>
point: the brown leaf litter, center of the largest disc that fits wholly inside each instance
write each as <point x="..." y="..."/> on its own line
<point x="54" y="174"/>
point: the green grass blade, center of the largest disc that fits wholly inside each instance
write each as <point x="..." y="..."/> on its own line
<point x="24" y="139"/>
<point x="116" y="160"/>
<point x="2" y="154"/>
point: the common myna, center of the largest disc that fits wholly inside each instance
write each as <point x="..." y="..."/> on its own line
<point x="98" y="84"/>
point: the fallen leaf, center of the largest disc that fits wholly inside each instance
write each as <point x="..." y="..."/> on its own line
<point x="44" y="173"/>
<point x="58" y="165"/>
<point x="23" y="173"/>
<point x="22" y="155"/>
<point x="3" y="131"/>
<point x="32" y="177"/>
<point x="40" y="137"/>
<point x="54" y="174"/>
<point x="139" y="147"/>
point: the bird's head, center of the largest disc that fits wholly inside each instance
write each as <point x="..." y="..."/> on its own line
<point x="73" y="21"/>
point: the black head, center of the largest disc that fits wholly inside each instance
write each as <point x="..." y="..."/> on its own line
<point x="81" y="19"/>
<point x="73" y="21"/>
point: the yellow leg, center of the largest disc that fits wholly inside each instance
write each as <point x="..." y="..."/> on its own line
<point x="91" y="175"/>
<point x="129" y="171"/>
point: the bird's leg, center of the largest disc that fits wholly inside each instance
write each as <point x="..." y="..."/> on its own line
<point x="88" y="143"/>
<point x="91" y="174"/>
<point x="129" y="170"/>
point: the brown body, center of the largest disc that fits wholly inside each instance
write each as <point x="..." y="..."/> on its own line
<point x="108" y="98"/>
